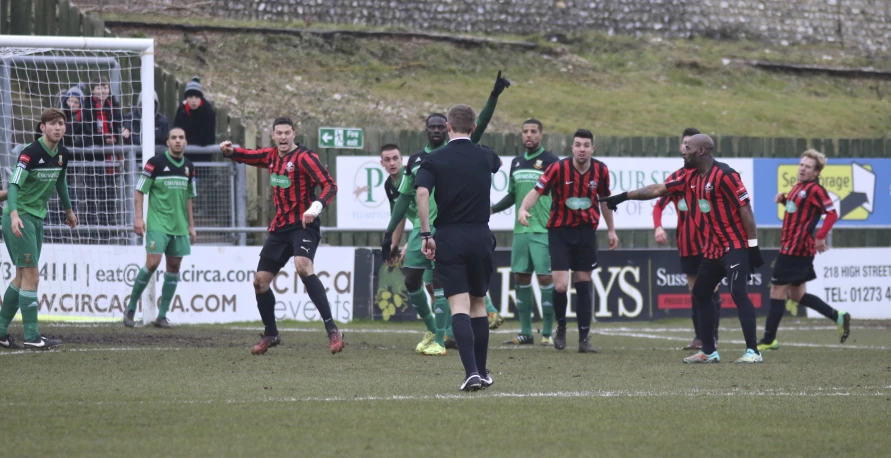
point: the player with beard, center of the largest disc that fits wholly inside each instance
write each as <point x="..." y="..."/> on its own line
<point x="731" y="248"/>
<point x="689" y="240"/>
<point x="416" y="263"/>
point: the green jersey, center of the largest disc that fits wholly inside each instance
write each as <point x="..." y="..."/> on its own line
<point x="170" y="183"/>
<point x="38" y="171"/>
<point x="525" y="170"/>
<point x="408" y="186"/>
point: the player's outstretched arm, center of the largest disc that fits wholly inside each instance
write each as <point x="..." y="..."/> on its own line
<point x="649" y="192"/>
<point x="482" y="121"/>
<point x="254" y="157"/>
<point x="506" y="202"/>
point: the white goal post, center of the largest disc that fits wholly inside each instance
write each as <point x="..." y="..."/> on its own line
<point x="23" y="54"/>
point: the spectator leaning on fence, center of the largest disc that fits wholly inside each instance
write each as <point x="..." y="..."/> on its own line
<point x="132" y="125"/>
<point x="105" y="114"/>
<point x="196" y="116"/>
<point x="79" y="131"/>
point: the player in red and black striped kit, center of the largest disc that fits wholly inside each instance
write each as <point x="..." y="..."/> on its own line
<point x="731" y="247"/>
<point x="295" y="171"/>
<point x="575" y="183"/>
<point x="805" y="204"/>
<point x="689" y="241"/>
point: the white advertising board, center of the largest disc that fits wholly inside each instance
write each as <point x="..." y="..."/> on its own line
<point x="80" y="282"/>
<point x="856" y="280"/>
<point x="362" y="203"/>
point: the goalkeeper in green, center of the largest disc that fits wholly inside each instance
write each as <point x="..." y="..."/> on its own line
<point x="530" y="246"/>
<point x="40" y="169"/>
<point x="416" y="263"/>
<point x="169" y="179"/>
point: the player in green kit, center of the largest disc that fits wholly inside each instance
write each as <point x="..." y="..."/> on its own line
<point x="41" y="168"/>
<point x="415" y="261"/>
<point x="169" y="179"/>
<point x="530" y="247"/>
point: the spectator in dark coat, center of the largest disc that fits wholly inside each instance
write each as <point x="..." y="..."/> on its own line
<point x="196" y="116"/>
<point x="132" y="125"/>
<point x="104" y="113"/>
<point x="79" y="131"/>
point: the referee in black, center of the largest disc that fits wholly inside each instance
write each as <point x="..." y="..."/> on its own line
<point x="461" y="173"/>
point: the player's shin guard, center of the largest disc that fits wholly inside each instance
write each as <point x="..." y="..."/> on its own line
<point x="464" y="338"/>
<point x="547" y="309"/>
<point x="266" y="306"/>
<point x="560" y="303"/>
<point x="28" y="306"/>
<point x="774" y="316"/>
<point x="716" y="299"/>
<point x="443" y="315"/>
<point x="814" y="302"/>
<point x="9" y="308"/>
<point x="167" y="291"/>
<point x="316" y="292"/>
<point x="480" y="328"/>
<point x="419" y="301"/>
<point x="142" y="279"/>
<point x="583" y="307"/>
<point x="524" y="308"/>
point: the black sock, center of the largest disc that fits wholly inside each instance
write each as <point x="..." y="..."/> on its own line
<point x="774" y="316"/>
<point x="716" y="298"/>
<point x="583" y="308"/>
<point x="317" y="295"/>
<point x="746" y="311"/>
<point x="706" y="314"/>
<point x="463" y="331"/>
<point x="695" y="316"/>
<point x="814" y="302"/>
<point x="266" y="306"/>
<point x="480" y="328"/>
<point x="560" y="303"/>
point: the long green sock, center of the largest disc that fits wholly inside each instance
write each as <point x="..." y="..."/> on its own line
<point x="443" y="315"/>
<point x="28" y="306"/>
<point x="9" y="308"/>
<point x="490" y="308"/>
<point x="419" y="302"/>
<point x="142" y="279"/>
<point x="547" y="309"/>
<point x="170" y="281"/>
<point x="525" y="300"/>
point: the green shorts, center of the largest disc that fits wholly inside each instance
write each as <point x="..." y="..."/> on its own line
<point x="414" y="257"/>
<point x="529" y="253"/>
<point x="24" y="251"/>
<point x="175" y="246"/>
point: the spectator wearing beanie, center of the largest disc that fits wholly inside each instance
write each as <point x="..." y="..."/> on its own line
<point x="196" y="116"/>
<point x="79" y="131"/>
<point x="132" y="125"/>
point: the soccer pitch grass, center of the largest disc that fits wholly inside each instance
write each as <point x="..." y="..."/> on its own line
<point x="197" y="391"/>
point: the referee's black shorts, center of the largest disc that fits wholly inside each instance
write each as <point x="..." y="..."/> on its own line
<point x="464" y="258"/>
<point x="793" y="270"/>
<point x="572" y="248"/>
<point x="690" y="264"/>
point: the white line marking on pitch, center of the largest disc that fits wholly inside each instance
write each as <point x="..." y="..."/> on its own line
<point x="607" y="332"/>
<point x="66" y="350"/>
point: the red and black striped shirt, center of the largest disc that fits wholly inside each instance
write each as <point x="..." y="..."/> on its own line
<point x="574" y="194"/>
<point x="719" y="195"/>
<point x="689" y="238"/>
<point x="293" y="178"/>
<point x="805" y="204"/>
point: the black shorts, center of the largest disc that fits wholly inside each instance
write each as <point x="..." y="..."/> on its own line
<point x="464" y="260"/>
<point x="280" y="247"/>
<point x="690" y="264"/>
<point x="734" y="265"/>
<point x="572" y="248"/>
<point x="793" y="270"/>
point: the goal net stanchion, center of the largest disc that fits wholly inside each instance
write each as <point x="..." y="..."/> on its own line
<point x="79" y="75"/>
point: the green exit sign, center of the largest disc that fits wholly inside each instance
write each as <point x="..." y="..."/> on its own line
<point x="341" y="137"/>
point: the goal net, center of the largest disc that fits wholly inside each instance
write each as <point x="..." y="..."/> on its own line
<point x="103" y="85"/>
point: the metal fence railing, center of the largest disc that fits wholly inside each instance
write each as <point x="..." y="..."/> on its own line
<point x="101" y="183"/>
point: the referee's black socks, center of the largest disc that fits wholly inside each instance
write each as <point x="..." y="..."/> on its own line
<point x="561" y="300"/>
<point x="316" y="292"/>
<point x="463" y="329"/>
<point x="583" y="307"/>
<point x="480" y="328"/>
<point x="266" y="306"/>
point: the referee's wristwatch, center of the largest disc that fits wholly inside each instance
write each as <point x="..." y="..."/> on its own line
<point x="426" y="235"/>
